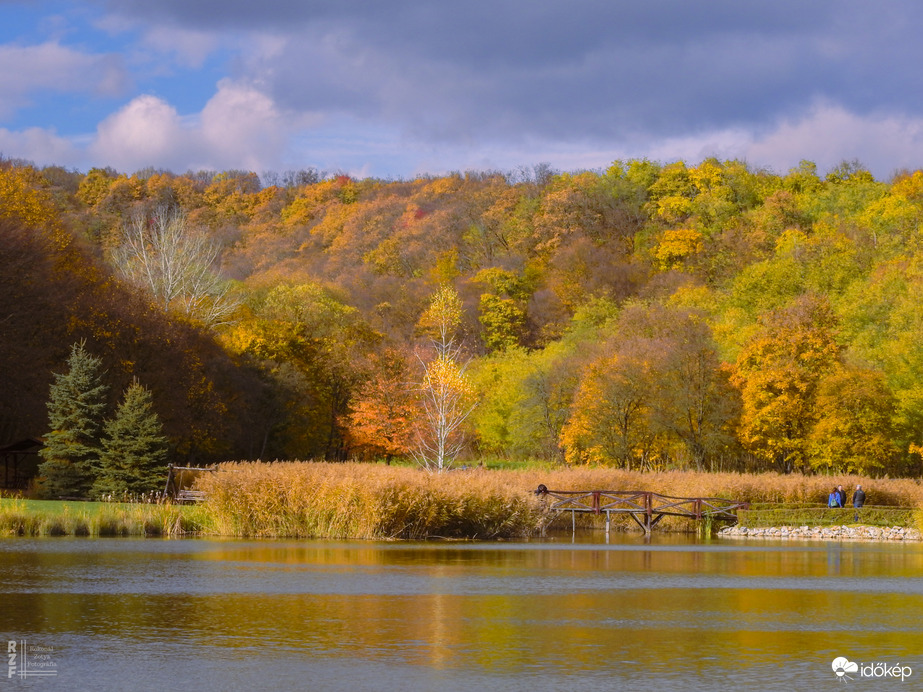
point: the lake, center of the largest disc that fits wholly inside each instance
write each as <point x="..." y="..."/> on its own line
<point x="670" y="614"/>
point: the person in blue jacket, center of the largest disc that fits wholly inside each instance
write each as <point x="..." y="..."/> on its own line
<point x="834" y="500"/>
<point x="842" y="494"/>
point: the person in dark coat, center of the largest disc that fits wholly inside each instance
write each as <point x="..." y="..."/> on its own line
<point x="858" y="499"/>
<point x="842" y="495"/>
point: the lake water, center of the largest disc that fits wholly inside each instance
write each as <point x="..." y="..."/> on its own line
<point x="672" y="614"/>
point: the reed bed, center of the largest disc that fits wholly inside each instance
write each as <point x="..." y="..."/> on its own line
<point x="34" y="518"/>
<point x="323" y="500"/>
<point x="367" y="501"/>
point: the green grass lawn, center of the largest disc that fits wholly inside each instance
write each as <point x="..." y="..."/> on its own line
<point x="58" y="506"/>
<point x="21" y="517"/>
<point x="761" y="515"/>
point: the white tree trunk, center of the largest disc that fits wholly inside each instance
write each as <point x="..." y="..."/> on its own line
<point x="176" y="265"/>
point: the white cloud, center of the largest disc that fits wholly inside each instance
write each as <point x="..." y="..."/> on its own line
<point x="30" y="69"/>
<point x="242" y="127"/>
<point x="44" y="147"/>
<point x="828" y="134"/>
<point x="146" y="132"/>
<point x="239" y="127"/>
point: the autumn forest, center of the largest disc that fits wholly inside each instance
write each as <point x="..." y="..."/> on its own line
<point x="649" y="316"/>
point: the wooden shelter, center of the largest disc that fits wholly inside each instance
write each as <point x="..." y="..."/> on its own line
<point x="20" y="462"/>
<point x="180" y="480"/>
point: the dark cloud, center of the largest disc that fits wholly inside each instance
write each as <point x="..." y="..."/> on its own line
<point x="592" y="69"/>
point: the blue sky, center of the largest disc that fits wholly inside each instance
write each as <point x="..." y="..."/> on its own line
<point x="403" y="87"/>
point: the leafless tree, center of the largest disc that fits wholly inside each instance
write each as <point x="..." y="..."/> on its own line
<point x="177" y="265"/>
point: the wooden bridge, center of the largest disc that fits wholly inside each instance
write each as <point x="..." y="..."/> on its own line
<point x="645" y="507"/>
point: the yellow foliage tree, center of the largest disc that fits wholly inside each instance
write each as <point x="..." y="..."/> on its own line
<point x="23" y="199"/>
<point x="854" y="432"/>
<point x="778" y="373"/>
<point x="446" y="393"/>
<point x="609" y="422"/>
<point x="677" y="246"/>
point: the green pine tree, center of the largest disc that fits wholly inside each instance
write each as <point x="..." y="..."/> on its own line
<point x="133" y="460"/>
<point x="75" y="408"/>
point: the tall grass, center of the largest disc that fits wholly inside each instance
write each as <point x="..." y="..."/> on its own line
<point x="365" y="501"/>
<point x="323" y="500"/>
<point x="36" y="518"/>
<point x="374" y="501"/>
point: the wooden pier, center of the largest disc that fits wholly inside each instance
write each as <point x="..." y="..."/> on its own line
<point x="645" y="507"/>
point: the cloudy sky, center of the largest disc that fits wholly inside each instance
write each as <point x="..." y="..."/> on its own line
<point x="393" y="88"/>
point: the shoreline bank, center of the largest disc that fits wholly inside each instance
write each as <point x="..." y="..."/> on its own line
<point x="824" y="533"/>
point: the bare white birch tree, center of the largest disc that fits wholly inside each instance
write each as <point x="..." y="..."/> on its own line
<point x="446" y="394"/>
<point x="177" y="265"/>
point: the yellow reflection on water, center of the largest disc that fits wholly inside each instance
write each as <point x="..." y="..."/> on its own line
<point x="506" y="610"/>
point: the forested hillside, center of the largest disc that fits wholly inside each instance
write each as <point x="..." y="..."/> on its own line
<point x="649" y="316"/>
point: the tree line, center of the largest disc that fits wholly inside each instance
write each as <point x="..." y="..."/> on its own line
<point x="647" y="316"/>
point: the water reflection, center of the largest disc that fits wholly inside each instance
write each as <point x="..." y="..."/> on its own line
<point x="139" y="614"/>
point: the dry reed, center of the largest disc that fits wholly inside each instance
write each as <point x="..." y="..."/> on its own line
<point x="323" y="500"/>
<point x="365" y="501"/>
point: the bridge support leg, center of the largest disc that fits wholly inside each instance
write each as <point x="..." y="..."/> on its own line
<point x="607" y="522"/>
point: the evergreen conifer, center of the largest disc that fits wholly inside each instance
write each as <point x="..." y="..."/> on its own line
<point x="133" y="460"/>
<point x="75" y="408"/>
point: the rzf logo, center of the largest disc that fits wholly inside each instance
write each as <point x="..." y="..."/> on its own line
<point x="11" y="650"/>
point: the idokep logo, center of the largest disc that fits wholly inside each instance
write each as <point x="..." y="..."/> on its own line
<point x="842" y="667"/>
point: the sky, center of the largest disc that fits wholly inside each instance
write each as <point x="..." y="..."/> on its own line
<point x="399" y="88"/>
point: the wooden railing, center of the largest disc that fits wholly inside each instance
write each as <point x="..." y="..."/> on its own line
<point x="645" y="507"/>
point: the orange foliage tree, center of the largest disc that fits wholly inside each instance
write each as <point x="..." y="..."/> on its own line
<point x="385" y="409"/>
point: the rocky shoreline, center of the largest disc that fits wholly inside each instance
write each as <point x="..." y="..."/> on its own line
<point x="825" y="533"/>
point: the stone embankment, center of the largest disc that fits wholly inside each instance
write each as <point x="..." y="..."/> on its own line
<point x="825" y="533"/>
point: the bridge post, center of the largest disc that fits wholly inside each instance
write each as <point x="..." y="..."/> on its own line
<point x="648" y="511"/>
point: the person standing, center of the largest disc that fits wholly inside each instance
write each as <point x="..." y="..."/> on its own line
<point x="842" y="495"/>
<point x="834" y="499"/>
<point x="858" y="499"/>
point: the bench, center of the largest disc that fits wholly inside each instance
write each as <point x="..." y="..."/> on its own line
<point x="190" y="496"/>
